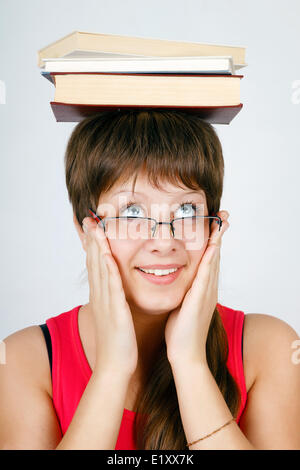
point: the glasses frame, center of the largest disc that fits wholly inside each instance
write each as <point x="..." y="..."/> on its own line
<point x="214" y="217"/>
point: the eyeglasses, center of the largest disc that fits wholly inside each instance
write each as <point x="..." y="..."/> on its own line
<point x="191" y="228"/>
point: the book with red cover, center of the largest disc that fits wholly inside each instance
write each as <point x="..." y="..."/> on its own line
<point x="65" y="112"/>
<point x="75" y="112"/>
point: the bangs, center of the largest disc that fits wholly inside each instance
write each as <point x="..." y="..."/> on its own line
<point x="164" y="145"/>
<point x="169" y="146"/>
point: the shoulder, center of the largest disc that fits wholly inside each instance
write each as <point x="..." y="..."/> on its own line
<point x="27" y="415"/>
<point x="268" y="340"/>
<point x="268" y="331"/>
<point x="272" y="365"/>
<point x="26" y="353"/>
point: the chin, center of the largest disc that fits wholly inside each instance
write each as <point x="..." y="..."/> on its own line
<point x="158" y="306"/>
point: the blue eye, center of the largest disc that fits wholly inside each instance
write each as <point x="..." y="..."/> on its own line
<point x="185" y="206"/>
<point x="134" y="213"/>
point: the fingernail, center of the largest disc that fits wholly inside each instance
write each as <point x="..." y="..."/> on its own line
<point x="84" y="228"/>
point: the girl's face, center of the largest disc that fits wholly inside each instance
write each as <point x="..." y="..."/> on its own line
<point x="130" y="254"/>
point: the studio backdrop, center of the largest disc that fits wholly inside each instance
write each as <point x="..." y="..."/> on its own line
<point x="41" y="255"/>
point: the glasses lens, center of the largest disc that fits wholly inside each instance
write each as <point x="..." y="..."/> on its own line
<point x="194" y="229"/>
<point x="129" y="228"/>
<point x="189" y="229"/>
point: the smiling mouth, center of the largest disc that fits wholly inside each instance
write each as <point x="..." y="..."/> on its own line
<point x="160" y="277"/>
<point x="159" y="272"/>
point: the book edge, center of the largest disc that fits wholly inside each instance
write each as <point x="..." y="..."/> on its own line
<point x="198" y="75"/>
<point x="163" y="40"/>
<point x="235" y="109"/>
<point x="77" y="35"/>
<point x="57" y="41"/>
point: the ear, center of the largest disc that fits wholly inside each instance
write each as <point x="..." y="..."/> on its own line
<point x="80" y="231"/>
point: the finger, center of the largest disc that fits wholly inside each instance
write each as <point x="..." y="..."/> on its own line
<point x="110" y="278"/>
<point x="208" y="262"/>
<point x="213" y="285"/>
<point x="225" y="224"/>
<point x="115" y="280"/>
<point x="217" y="233"/>
<point x="208" y="267"/>
<point x="97" y="273"/>
<point x="205" y="284"/>
<point x="113" y="270"/>
<point x="214" y="267"/>
<point x="104" y="279"/>
<point x="93" y="274"/>
<point x="96" y="229"/>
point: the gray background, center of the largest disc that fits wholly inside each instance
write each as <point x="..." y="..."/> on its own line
<point x="41" y="255"/>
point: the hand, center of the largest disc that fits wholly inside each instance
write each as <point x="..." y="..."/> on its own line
<point x="116" y="346"/>
<point x="187" y="326"/>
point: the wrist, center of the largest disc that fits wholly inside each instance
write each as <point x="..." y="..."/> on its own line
<point x="189" y="367"/>
<point x="111" y="374"/>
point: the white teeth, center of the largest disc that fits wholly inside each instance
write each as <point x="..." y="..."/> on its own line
<point x="159" y="272"/>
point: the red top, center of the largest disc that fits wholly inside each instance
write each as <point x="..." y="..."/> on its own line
<point x="71" y="371"/>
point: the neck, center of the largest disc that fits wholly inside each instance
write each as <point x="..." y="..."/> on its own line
<point x="150" y="331"/>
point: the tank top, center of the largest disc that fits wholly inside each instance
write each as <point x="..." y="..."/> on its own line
<point x="71" y="371"/>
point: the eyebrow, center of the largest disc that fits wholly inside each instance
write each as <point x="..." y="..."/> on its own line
<point x="178" y="195"/>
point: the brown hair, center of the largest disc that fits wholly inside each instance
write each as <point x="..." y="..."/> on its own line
<point x="170" y="146"/>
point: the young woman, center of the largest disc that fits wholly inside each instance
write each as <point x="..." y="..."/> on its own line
<point x="152" y="361"/>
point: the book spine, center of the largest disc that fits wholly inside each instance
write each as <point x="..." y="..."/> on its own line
<point x="149" y="74"/>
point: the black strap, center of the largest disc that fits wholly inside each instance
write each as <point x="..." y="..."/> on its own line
<point x="47" y="337"/>
<point x="243" y="340"/>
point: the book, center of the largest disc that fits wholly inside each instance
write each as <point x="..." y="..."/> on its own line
<point x="66" y="112"/>
<point x="147" y="89"/>
<point x="203" y="64"/>
<point x="80" y="44"/>
<point x="95" y="73"/>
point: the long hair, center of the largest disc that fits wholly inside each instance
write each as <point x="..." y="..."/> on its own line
<point x="174" y="147"/>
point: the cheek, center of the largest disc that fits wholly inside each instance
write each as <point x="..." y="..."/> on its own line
<point x="198" y="242"/>
<point x="195" y="250"/>
<point x="122" y="251"/>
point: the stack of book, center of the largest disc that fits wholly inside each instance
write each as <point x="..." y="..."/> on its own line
<point x="95" y="72"/>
